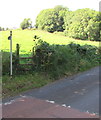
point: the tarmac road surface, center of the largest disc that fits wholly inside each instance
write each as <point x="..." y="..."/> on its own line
<point x="72" y="97"/>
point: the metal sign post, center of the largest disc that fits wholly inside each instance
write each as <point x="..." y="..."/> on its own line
<point x="10" y="38"/>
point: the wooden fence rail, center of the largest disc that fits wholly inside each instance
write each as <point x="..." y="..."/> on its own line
<point x="17" y="53"/>
<point x="25" y="57"/>
<point x="18" y="58"/>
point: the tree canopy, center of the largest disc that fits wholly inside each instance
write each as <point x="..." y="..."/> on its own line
<point x="2" y="29"/>
<point x="83" y="24"/>
<point x="51" y="19"/>
<point x="79" y="24"/>
<point x="26" y="23"/>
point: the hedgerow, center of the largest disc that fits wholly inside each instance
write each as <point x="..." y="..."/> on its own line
<point x="58" y="60"/>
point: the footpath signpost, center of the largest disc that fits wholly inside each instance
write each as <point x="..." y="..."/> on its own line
<point x="10" y="38"/>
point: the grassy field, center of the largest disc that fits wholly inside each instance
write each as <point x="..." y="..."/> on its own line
<point x="25" y="39"/>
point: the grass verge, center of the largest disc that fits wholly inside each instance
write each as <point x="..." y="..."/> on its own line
<point x="19" y="83"/>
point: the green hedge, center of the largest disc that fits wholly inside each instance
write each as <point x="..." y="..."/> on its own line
<point x="58" y="60"/>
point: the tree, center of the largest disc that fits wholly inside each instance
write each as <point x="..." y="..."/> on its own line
<point x="61" y="12"/>
<point x="2" y="29"/>
<point x="83" y="24"/>
<point x="26" y="23"/>
<point x="80" y="24"/>
<point x="45" y="20"/>
<point x="93" y="30"/>
<point x="51" y="19"/>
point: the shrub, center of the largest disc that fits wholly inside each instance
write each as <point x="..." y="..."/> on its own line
<point x="43" y="54"/>
<point x="57" y="59"/>
<point x="6" y="62"/>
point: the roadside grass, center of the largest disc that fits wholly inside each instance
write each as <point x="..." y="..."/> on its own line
<point x="19" y="83"/>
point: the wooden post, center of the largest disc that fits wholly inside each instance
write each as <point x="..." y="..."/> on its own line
<point x="11" y="53"/>
<point x="17" y="54"/>
<point x="32" y="51"/>
<point x="33" y="55"/>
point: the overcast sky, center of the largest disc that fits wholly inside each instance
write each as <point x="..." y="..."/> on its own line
<point x="12" y="12"/>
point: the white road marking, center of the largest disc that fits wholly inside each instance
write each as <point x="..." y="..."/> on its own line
<point x="50" y="101"/>
<point x="10" y="102"/>
<point x="64" y="105"/>
<point x="7" y="103"/>
<point x="23" y="96"/>
<point x="87" y="111"/>
<point x="69" y="106"/>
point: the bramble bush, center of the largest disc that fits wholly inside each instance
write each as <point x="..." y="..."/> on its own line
<point x="60" y="59"/>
